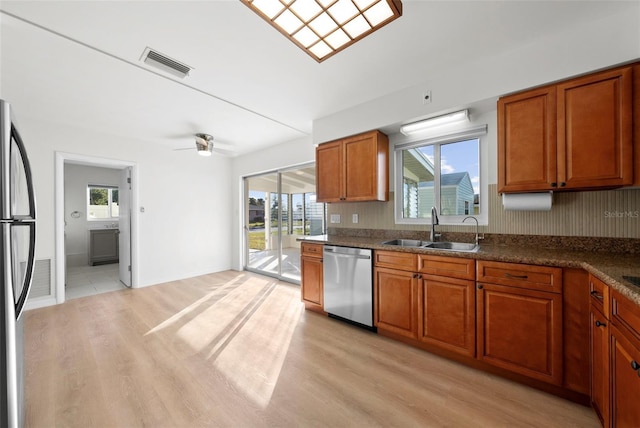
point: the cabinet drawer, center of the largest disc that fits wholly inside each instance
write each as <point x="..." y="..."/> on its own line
<point x="312" y="250"/>
<point x="451" y="267"/>
<point x="531" y="277"/>
<point x="625" y="314"/>
<point x="396" y="260"/>
<point x="599" y="292"/>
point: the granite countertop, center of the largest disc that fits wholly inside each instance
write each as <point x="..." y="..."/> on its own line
<point x="610" y="267"/>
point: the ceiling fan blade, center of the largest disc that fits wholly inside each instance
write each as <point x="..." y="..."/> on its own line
<point x="184" y="148"/>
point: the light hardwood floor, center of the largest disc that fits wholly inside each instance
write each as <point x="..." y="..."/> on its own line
<point x="237" y="349"/>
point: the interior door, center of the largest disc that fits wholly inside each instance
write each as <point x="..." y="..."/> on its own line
<point x="124" y="222"/>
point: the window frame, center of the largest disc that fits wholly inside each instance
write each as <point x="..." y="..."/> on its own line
<point x="110" y="190"/>
<point x="402" y="143"/>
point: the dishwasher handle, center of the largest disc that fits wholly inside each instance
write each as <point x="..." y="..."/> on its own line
<point x="336" y="252"/>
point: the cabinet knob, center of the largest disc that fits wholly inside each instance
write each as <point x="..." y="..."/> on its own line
<point x="562" y="184"/>
<point x="480" y="286"/>
<point x="635" y="365"/>
<point x="554" y="184"/>
<point x="600" y="324"/>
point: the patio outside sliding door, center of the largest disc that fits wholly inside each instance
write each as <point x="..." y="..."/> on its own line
<point x="280" y="207"/>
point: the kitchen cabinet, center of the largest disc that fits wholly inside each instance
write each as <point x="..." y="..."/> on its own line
<point x="576" y="306"/>
<point x="509" y="303"/>
<point x="396" y="301"/>
<point x="624" y="362"/>
<point x="599" y="333"/>
<point x="446" y="315"/>
<point x="415" y="298"/>
<point x="312" y="275"/>
<point x="599" y="348"/>
<point x="353" y="169"/>
<point x="576" y="134"/>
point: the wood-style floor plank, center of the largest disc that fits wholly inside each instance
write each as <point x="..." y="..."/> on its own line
<point x="237" y="349"/>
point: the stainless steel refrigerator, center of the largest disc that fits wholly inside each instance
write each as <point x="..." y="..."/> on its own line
<point x="17" y="251"/>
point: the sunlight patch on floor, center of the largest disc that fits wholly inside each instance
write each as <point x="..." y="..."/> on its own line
<point x="269" y="332"/>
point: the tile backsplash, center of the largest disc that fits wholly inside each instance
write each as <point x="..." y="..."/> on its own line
<point x="604" y="213"/>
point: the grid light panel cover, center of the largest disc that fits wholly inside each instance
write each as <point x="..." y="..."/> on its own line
<point x="323" y="28"/>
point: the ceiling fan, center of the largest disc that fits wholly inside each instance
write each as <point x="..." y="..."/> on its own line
<point x="205" y="146"/>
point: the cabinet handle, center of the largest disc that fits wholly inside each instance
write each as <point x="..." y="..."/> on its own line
<point x="554" y="184"/>
<point x="508" y="275"/>
<point x="480" y="286"/>
<point x="595" y="294"/>
<point x="600" y="324"/>
<point x="635" y="365"/>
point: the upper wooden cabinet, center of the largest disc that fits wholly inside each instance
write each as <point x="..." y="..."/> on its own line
<point x="573" y="135"/>
<point x="353" y="169"/>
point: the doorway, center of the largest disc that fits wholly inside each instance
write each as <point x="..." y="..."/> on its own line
<point x="95" y="225"/>
<point x="280" y="207"/>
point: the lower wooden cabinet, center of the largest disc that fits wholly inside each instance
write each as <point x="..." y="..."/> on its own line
<point x="625" y="380"/>
<point x="447" y="314"/>
<point x="521" y="330"/>
<point x="599" y="332"/>
<point x="396" y="301"/>
<point x="312" y="276"/>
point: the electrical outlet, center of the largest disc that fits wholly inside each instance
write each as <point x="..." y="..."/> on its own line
<point x="354" y="218"/>
<point x="426" y="97"/>
<point x="335" y="218"/>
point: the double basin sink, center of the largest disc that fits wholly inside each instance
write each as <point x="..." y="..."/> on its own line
<point x="450" y="246"/>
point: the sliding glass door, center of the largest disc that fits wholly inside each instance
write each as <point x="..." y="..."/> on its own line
<point x="280" y="207"/>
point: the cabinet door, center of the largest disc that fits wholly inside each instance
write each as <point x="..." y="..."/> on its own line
<point x="520" y="330"/>
<point x="625" y="380"/>
<point x="396" y="301"/>
<point x="599" y="332"/>
<point x="365" y="179"/>
<point x="527" y="141"/>
<point x="312" y="277"/>
<point x="595" y="146"/>
<point x="447" y="314"/>
<point x="329" y="172"/>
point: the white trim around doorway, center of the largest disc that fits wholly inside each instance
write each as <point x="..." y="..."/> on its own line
<point x="60" y="160"/>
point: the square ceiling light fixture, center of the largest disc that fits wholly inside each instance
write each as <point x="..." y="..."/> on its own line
<point x="323" y="28"/>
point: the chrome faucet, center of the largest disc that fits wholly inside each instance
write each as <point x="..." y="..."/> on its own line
<point x="477" y="235"/>
<point x="433" y="236"/>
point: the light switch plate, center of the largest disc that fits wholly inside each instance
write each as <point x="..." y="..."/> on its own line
<point x="354" y="218"/>
<point x="335" y="218"/>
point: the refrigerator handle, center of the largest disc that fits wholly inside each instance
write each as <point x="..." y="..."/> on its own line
<point x="27" y="171"/>
<point x="22" y="299"/>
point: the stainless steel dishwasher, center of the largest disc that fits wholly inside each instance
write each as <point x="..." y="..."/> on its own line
<point x="348" y="284"/>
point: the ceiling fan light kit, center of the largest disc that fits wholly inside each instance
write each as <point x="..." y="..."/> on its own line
<point x="323" y="28"/>
<point x="204" y="144"/>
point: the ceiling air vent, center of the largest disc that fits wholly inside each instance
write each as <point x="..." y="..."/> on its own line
<point x="164" y="63"/>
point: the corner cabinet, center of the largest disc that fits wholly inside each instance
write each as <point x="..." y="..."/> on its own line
<point x="572" y="135"/>
<point x="353" y="169"/>
<point x="312" y="276"/>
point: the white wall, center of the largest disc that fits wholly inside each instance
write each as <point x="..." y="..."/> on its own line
<point x="581" y="48"/>
<point x="76" y="179"/>
<point x="184" y="230"/>
<point x="281" y="156"/>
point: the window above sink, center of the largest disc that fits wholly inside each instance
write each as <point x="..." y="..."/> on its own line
<point x="443" y="171"/>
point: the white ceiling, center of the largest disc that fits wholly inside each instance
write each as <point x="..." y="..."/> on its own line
<point x="78" y="63"/>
